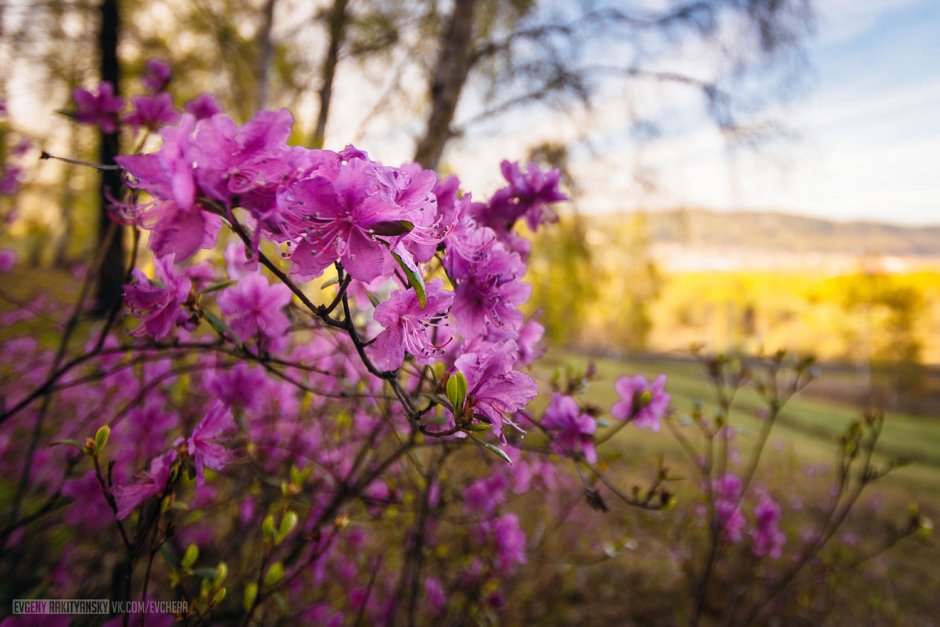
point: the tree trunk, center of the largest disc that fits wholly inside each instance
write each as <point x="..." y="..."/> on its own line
<point x="337" y="27"/>
<point x="450" y="75"/>
<point x="266" y="54"/>
<point x="111" y="272"/>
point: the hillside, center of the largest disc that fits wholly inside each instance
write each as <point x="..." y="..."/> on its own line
<point x="697" y="229"/>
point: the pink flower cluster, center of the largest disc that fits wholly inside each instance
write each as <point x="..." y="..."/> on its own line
<point x="228" y="404"/>
<point x="378" y="224"/>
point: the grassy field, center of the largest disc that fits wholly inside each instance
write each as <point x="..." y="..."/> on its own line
<point x="896" y="587"/>
<point x="806" y="433"/>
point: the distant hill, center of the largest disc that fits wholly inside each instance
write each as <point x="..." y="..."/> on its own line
<point x="698" y="229"/>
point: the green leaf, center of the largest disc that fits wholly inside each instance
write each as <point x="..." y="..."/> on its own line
<point x="70" y="442"/>
<point x="218" y="286"/>
<point x="251" y="593"/>
<point x="495" y="450"/>
<point x="190" y="556"/>
<point x="924" y="528"/>
<point x="101" y="437"/>
<point x="457" y="390"/>
<point x="219" y="596"/>
<point x="274" y="574"/>
<point x="392" y="227"/>
<point x="287" y="525"/>
<point x="267" y="527"/>
<point x="218" y="324"/>
<point x="414" y="278"/>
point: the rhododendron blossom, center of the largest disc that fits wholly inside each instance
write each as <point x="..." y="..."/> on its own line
<point x="494" y="389"/>
<point x="203" y="445"/>
<point x="158" y="76"/>
<point x="643" y="403"/>
<point x="202" y="106"/>
<point x="152" y="112"/>
<point x="255" y="309"/>
<point x="130" y="496"/>
<point x="99" y="108"/>
<point x="727" y="495"/>
<point x="411" y="328"/>
<point x="573" y="430"/>
<point x="768" y="538"/>
<point x="356" y="357"/>
<point x="158" y="302"/>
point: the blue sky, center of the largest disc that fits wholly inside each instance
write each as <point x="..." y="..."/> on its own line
<point x="866" y="118"/>
<point x="871" y="121"/>
<point x="867" y="121"/>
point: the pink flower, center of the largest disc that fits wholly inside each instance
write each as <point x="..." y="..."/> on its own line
<point x="642" y="402"/>
<point x="7" y="260"/>
<point x="434" y="592"/>
<point x="768" y="539"/>
<point x="203" y="445"/>
<point x="130" y="496"/>
<point x="494" y="389"/>
<point x="203" y="106"/>
<point x="148" y="426"/>
<point x="99" y="108"/>
<point x="158" y="76"/>
<point x="508" y="539"/>
<point x="486" y="300"/>
<point x="177" y="222"/>
<point x="572" y="429"/>
<point x="152" y="112"/>
<point x="528" y="195"/>
<point x="158" y="302"/>
<point x="240" y="386"/>
<point x="483" y="496"/>
<point x="344" y="220"/>
<point x="408" y="326"/>
<point x="530" y="338"/>
<point x="11" y="180"/>
<point x="726" y="492"/>
<point x="237" y="263"/>
<point x="89" y="509"/>
<point x="253" y="309"/>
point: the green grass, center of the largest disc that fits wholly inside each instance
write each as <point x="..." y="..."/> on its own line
<point x="807" y="430"/>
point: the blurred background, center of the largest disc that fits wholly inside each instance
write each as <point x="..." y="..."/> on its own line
<point x="745" y="174"/>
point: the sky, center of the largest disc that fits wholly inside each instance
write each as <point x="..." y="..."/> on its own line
<point x="865" y="127"/>
<point x="865" y="122"/>
<point x="870" y="124"/>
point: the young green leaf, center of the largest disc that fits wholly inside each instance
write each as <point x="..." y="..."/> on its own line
<point x="190" y="556"/>
<point x="101" y="437"/>
<point x="414" y="278"/>
<point x="392" y="228"/>
<point x="457" y="390"/>
<point x="218" y="324"/>
<point x="495" y="450"/>
<point x="251" y="593"/>
<point x="218" y="286"/>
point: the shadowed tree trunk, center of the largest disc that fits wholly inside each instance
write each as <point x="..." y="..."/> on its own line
<point x="111" y="273"/>
<point x="337" y="27"/>
<point x="450" y="75"/>
<point x="66" y="207"/>
<point x="266" y="55"/>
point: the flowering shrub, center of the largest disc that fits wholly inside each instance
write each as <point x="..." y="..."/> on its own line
<point x="324" y="423"/>
<point x="253" y="440"/>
